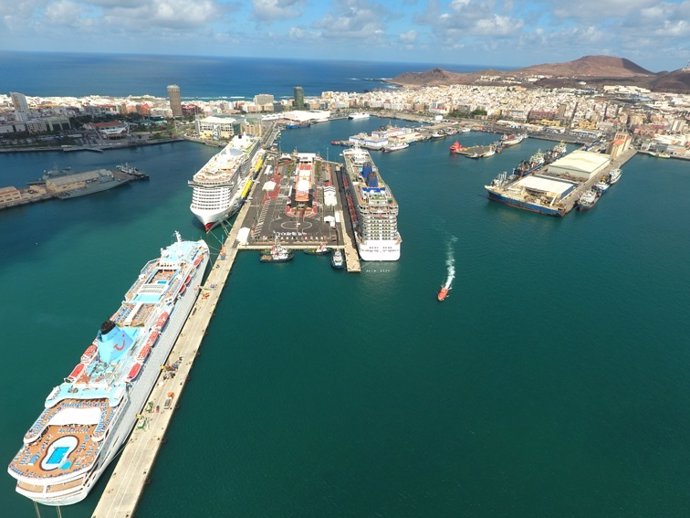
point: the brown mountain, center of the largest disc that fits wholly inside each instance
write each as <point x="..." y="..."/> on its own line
<point x="435" y="76"/>
<point x="676" y="81"/>
<point x="590" y="66"/>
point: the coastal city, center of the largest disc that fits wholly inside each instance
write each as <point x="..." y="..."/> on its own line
<point x="259" y="189"/>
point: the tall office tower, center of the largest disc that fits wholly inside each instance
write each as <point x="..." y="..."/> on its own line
<point x="299" y="98"/>
<point x="19" y="102"/>
<point x="175" y="100"/>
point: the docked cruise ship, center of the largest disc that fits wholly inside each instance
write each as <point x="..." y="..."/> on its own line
<point x="373" y="209"/>
<point x="218" y="186"/>
<point x="89" y="415"/>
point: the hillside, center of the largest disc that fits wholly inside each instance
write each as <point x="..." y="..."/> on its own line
<point x="588" y="67"/>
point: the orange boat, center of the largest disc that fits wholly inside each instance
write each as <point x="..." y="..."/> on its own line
<point x="455" y="147"/>
<point x="89" y="354"/>
<point x="442" y="294"/>
<point x="133" y="372"/>
<point x="76" y="372"/>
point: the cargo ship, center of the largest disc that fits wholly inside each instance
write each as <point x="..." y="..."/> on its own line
<point x="89" y="415"/>
<point x="219" y="185"/>
<point x="373" y="208"/>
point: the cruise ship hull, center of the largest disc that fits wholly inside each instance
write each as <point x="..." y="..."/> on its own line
<point x="130" y="408"/>
<point x="524" y="205"/>
<point x="379" y="250"/>
<point x="212" y="218"/>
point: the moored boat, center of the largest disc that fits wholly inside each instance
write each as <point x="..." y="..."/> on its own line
<point x="455" y="147"/>
<point x="276" y="254"/>
<point x="86" y="419"/>
<point x="588" y="199"/>
<point x="337" y="260"/>
<point x="615" y="175"/>
<point x="322" y="249"/>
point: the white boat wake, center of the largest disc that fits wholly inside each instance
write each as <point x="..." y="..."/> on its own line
<point x="450" y="263"/>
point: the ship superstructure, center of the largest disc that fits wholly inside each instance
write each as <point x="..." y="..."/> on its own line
<point x="373" y="209"/>
<point x="89" y="415"/>
<point x="219" y="184"/>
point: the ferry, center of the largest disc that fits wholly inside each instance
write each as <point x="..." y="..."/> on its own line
<point x="89" y="415"/>
<point x="358" y="115"/>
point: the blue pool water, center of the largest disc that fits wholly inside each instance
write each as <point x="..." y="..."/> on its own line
<point x="58" y="454"/>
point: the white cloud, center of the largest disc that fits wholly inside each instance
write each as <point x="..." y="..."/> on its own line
<point x="409" y="36"/>
<point x="277" y="9"/>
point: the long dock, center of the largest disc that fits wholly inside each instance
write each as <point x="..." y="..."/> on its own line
<point x="125" y="487"/>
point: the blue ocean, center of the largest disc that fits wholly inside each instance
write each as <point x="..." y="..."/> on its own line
<point x="61" y="74"/>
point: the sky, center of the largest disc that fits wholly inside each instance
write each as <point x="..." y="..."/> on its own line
<point x="502" y="33"/>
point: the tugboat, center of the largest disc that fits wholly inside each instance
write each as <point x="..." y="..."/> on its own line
<point x="442" y="293"/>
<point x="276" y="254"/>
<point x="337" y="260"/>
<point x="322" y="249"/>
<point x="456" y="147"/>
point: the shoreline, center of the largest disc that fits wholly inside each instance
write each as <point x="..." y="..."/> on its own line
<point x="94" y="148"/>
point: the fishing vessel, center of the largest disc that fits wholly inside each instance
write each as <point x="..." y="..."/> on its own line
<point x="88" y="416"/>
<point x="588" y="199"/>
<point x="373" y="208"/>
<point x="395" y="146"/>
<point x="512" y="140"/>
<point x="601" y="186"/>
<point x="442" y="293"/>
<point x="615" y="175"/>
<point x="219" y="185"/>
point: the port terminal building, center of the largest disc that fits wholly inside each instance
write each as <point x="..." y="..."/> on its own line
<point x="579" y="166"/>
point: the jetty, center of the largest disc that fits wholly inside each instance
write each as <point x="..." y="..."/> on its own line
<point x="132" y="471"/>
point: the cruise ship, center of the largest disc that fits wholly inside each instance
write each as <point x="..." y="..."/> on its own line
<point x="89" y="415"/>
<point x="373" y="209"/>
<point x="219" y="185"/>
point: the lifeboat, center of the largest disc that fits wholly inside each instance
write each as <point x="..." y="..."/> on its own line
<point x="143" y="354"/>
<point x="133" y="372"/>
<point x="442" y="294"/>
<point x="152" y="339"/>
<point x="198" y="260"/>
<point x="455" y="147"/>
<point x="89" y="354"/>
<point x="76" y="372"/>
<point x="162" y="320"/>
<point x="189" y="278"/>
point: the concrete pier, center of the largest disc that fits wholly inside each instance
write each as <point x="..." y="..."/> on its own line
<point x="126" y="484"/>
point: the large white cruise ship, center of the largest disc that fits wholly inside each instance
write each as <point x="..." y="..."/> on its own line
<point x="88" y="416"/>
<point x="373" y="209"/>
<point x="221" y="183"/>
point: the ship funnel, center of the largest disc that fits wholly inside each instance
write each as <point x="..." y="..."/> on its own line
<point x="112" y="342"/>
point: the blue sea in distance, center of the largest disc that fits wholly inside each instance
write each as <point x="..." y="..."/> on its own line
<point x="61" y="74"/>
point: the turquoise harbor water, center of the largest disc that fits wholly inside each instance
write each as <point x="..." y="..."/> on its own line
<point x="553" y="382"/>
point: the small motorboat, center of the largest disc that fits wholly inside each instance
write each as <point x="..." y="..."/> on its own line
<point x="442" y="293"/>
